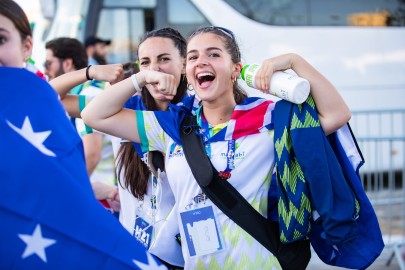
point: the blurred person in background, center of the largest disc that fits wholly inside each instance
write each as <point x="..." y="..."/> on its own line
<point x="96" y="49"/>
<point x="64" y="55"/>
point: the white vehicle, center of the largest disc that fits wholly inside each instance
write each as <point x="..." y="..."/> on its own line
<point x="359" y="45"/>
<point x="366" y="63"/>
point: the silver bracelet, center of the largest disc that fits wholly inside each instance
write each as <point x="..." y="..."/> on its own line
<point x="135" y="84"/>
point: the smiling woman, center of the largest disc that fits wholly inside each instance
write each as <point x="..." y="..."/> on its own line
<point x="231" y="126"/>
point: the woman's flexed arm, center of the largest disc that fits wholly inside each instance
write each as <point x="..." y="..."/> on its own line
<point x="332" y="109"/>
<point x="105" y="112"/>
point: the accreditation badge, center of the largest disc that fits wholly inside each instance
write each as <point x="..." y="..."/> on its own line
<point x="201" y="231"/>
<point x="143" y="232"/>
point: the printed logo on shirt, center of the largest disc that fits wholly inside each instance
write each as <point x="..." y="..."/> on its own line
<point x="175" y="151"/>
<point x="238" y="155"/>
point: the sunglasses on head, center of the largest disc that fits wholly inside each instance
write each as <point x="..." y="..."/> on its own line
<point x="227" y="32"/>
<point x="223" y="30"/>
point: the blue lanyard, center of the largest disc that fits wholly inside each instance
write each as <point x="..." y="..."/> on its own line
<point x="230" y="154"/>
<point x="153" y="197"/>
<point x="230" y="161"/>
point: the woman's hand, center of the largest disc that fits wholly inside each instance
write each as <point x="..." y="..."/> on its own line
<point x="103" y="191"/>
<point x="161" y="86"/>
<point x="107" y="192"/>
<point x="109" y="73"/>
<point x="268" y="67"/>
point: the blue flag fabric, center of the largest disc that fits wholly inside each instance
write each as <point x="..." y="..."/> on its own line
<point x="49" y="216"/>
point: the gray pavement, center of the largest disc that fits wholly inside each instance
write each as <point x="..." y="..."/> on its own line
<point x="391" y="219"/>
<point x="379" y="264"/>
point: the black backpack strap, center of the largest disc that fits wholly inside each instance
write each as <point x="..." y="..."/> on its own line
<point x="223" y="194"/>
<point x="196" y="157"/>
<point x="291" y="256"/>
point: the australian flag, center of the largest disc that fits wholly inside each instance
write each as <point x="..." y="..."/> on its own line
<point x="49" y="217"/>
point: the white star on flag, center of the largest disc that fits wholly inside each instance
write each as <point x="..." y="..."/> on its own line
<point x="35" y="138"/>
<point x="36" y="244"/>
<point x="152" y="265"/>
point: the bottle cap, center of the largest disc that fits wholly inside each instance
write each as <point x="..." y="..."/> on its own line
<point x="248" y="74"/>
<point x="242" y="72"/>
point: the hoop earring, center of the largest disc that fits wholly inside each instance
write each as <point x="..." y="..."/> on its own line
<point x="190" y="87"/>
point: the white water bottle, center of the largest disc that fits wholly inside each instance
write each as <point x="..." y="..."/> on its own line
<point x="282" y="84"/>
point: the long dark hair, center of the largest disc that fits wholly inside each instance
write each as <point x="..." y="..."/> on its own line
<point x="135" y="172"/>
<point x="232" y="48"/>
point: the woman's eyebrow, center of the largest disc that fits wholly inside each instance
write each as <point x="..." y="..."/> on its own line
<point x="207" y="49"/>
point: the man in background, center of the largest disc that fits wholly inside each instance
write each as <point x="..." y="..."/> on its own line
<point x="64" y="55"/>
<point x="96" y="49"/>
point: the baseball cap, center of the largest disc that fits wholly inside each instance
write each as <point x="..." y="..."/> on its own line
<point x="92" y="40"/>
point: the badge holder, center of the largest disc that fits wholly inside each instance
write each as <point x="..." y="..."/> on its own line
<point x="143" y="231"/>
<point x="144" y="223"/>
<point x="201" y="231"/>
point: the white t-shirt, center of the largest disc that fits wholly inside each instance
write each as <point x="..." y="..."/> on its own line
<point x="254" y="161"/>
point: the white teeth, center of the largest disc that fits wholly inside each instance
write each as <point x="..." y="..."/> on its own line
<point x="204" y="74"/>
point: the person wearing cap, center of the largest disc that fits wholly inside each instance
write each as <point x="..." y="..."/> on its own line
<point x="96" y="49"/>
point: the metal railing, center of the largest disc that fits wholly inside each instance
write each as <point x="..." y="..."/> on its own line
<point x="381" y="138"/>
